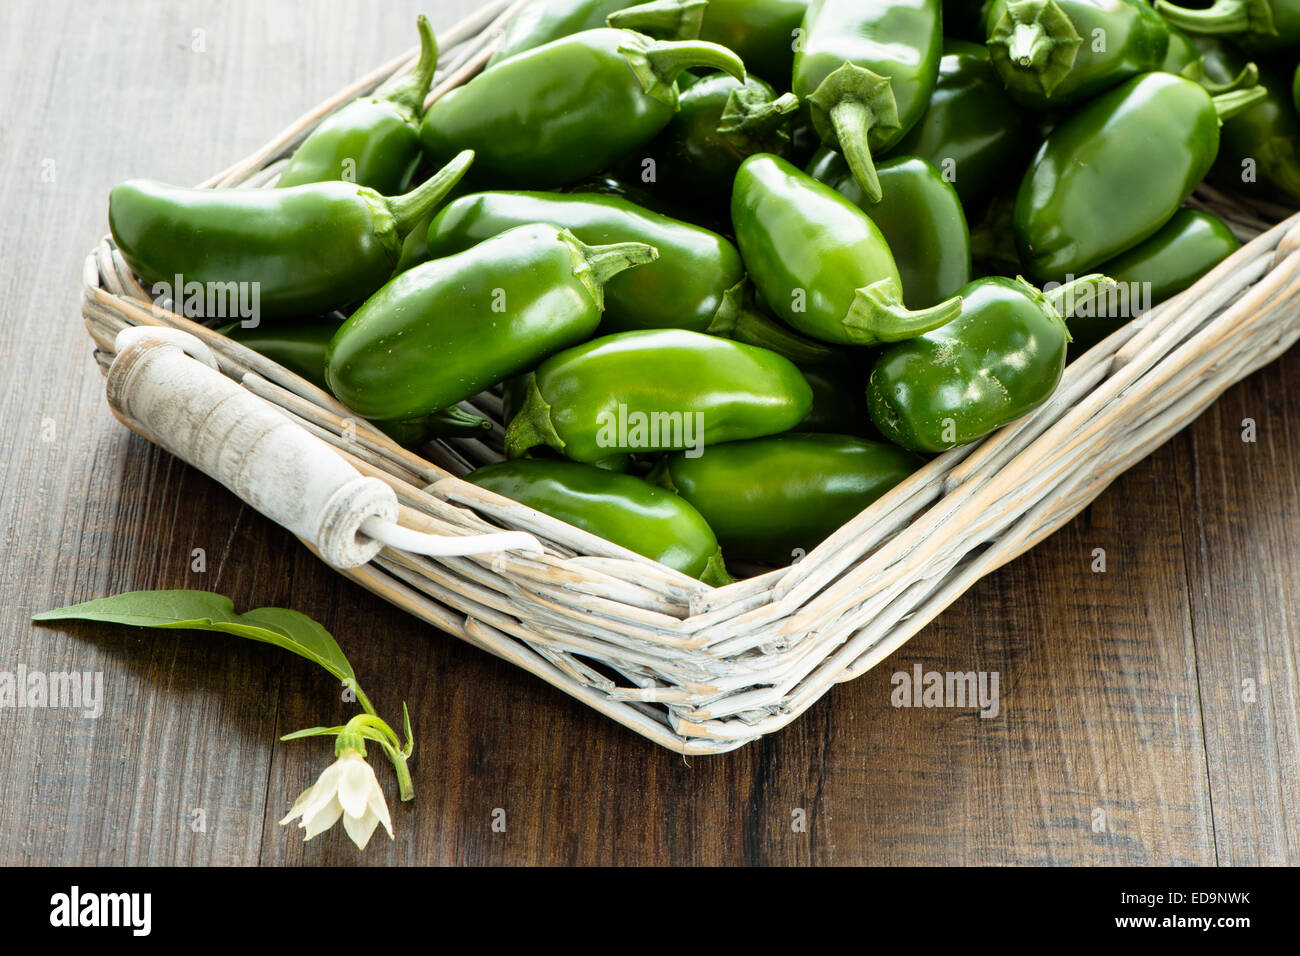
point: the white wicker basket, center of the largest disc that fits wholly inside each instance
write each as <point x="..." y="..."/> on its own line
<point x="703" y="670"/>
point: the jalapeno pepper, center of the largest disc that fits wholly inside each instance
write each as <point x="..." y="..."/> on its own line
<point x="921" y="218"/>
<point x="1260" y="152"/>
<point x="819" y="261"/>
<point x="662" y="19"/>
<point x="1275" y="22"/>
<point x="1000" y="359"/>
<point x="629" y="512"/>
<point x="565" y="111"/>
<point x="762" y="32"/>
<point x="775" y="499"/>
<point x="373" y="141"/>
<point x="693" y="284"/>
<point x="544" y="21"/>
<point x="721" y="123"/>
<point x="305" y="250"/>
<point x="866" y="69"/>
<point x="446" y="330"/>
<point x="1189" y="246"/>
<point x="1114" y="172"/>
<point x="662" y="390"/>
<point x="1057" y="52"/>
<point x="971" y="130"/>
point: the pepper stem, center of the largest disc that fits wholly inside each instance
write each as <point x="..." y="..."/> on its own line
<point x="1228" y="105"/>
<point x="878" y="315"/>
<point x="715" y="572"/>
<point x="1035" y="43"/>
<point x="412" y="90"/>
<point x="1066" y="300"/>
<point x="410" y="209"/>
<point x="1225" y="17"/>
<point x="658" y="63"/>
<point x="593" y="266"/>
<point x="753" y="122"/>
<point x="666" y="19"/>
<point x="532" y="426"/>
<point x="755" y="328"/>
<point x="853" y="110"/>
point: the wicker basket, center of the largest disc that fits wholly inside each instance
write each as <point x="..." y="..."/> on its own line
<point x="703" y="670"/>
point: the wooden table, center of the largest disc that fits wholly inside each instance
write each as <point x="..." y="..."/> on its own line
<point x="1150" y="714"/>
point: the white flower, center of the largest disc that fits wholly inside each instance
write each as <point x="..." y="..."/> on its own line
<point x="346" y="789"/>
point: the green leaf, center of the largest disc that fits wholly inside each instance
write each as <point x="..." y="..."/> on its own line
<point x="206" y="611"/>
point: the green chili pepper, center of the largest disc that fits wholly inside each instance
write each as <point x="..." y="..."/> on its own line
<point x="1057" y="52"/>
<point x="452" y="422"/>
<point x="662" y="19"/>
<point x="921" y="218"/>
<point x="1002" y="358"/>
<point x="298" y="346"/>
<point x="762" y="32"/>
<point x="1185" y="58"/>
<point x="629" y="512"/>
<point x="1260" y="151"/>
<point x="1117" y="170"/>
<point x="446" y="330"/>
<point x="819" y="261"/>
<point x="971" y="131"/>
<point x="1189" y="246"/>
<point x="565" y="111"/>
<point x="866" y="68"/>
<point x="373" y="141"/>
<point x="544" y="21"/>
<point x="303" y="250"/>
<point x="694" y="284"/>
<point x="839" y="404"/>
<point x="1276" y="22"/>
<point x="661" y="390"/>
<point x="721" y="123"/>
<point x="775" y="499"/>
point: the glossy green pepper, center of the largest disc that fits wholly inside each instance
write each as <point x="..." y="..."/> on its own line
<point x="629" y="512"/>
<point x="544" y="21"/>
<point x="866" y="69"/>
<point x="661" y="390"/>
<point x="1002" y="358"/>
<point x="1260" y="151"/>
<point x="446" y="330"/>
<point x="373" y="141"/>
<point x="299" y="346"/>
<point x="775" y="499"/>
<point x="1048" y="51"/>
<point x="920" y="216"/>
<point x="565" y="111"/>
<point x="1117" y="170"/>
<point x="1276" y="22"/>
<point x="1189" y="246"/>
<point x="762" y="32"/>
<point x="819" y="261"/>
<point x="694" y="284"/>
<point x="303" y="251"/>
<point x="971" y="130"/>
<point x="721" y="123"/>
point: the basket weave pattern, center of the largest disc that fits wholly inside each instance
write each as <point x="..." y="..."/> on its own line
<point x="703" y="670"/>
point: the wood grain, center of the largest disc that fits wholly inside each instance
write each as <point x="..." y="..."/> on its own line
<point x="1122" y="691"/>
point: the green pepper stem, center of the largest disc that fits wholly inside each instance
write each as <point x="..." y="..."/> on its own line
<point x="1038" y="42"/>
<point x="658" y="63"/>
<point x="1065" y="300"/>
<point x="408" y="210"/>
<point x="666" y="19"/>
<point x="1225" y="17"/>
<point x="455" y="422"/>
<point x="411" y="92"/>
<point x="853" y="109"/>
<point x="593" y="266"/>
<point x="1228" y="105"/>
<point x="661" y="475"/>
<point x="715" y="572"/>
<point x="752" y="119"/>
<point x="878" y="315"/>
<point x="754" y="328"/>
<point x="532" y="426"/>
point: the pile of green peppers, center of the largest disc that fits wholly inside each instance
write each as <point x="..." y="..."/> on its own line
<point x="733" y="269"/>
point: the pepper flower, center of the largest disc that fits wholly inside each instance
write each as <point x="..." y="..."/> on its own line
<point x="349" y="789"/>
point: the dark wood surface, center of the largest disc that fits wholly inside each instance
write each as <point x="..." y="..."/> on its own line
<point x="1125" y="735"/>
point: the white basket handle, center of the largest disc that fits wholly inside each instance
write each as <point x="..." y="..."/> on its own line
<point x="165" y="383"/>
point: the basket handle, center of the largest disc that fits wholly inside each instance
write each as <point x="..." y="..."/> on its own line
<point x="166" y="385"/>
